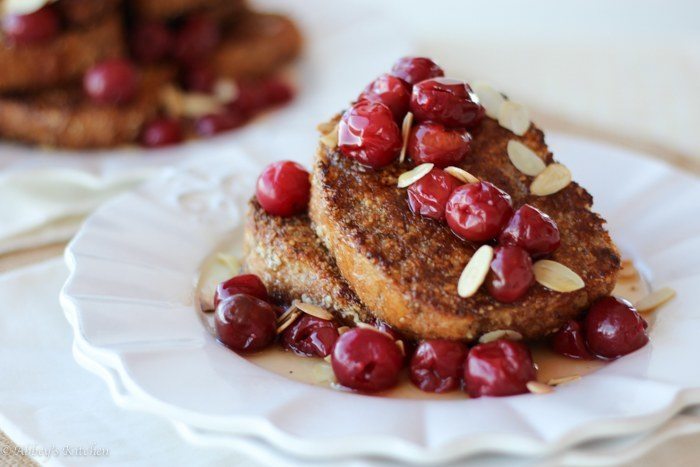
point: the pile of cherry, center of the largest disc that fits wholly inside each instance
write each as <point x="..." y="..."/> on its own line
<point x="188" y="43"/>
<point x="369" y="359"/>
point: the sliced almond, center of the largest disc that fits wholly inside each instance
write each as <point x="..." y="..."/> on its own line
<point x="489" y="98"/>
<point x="655" y="299"/>
<point x="328" y="358"/>
<point x="343" y="329"/>
<point x="401" y="347"/>
<point x="475" y="271"/>
<point x="525" y="159"/>
<point x="284" y="316"/>
<point x="514" y="117"/>
<point x="563" y="380"/>
<point x="554" y="178"/>
<point x="330" y="139"/>
<point x="180" y="104"/>
<point x="557" y="277"/>
<point x="536" y="387"/>
<point x="627" y="271"/>
<point x="461" y="174"/>
<point x="405" y="132"/>
<point x="225" y="90"/>
<point x="415" y="174"/>
<point x="230" y="261"/>
<point x="288" y="322"/>
<point x="500" y="334"/>
<point x="313" y="310"/>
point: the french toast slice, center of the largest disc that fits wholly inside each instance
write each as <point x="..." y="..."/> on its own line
<point x="65" y="117"/>
<point x="291" y="261"/>
<point x="405" y="267"/>
<point x="258" y="45"/>
<point x="65" y="58"/>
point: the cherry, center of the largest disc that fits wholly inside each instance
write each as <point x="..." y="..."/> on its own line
<point x="251" y="98"/>
<point x="390" y="91"/>
<point x="532" y="230"/>
<point x="416" y="69"/>
<point x="478" y="211"/>
<point x="428" y="196"/>
<point x="277" y="92"/>
<point x="446" y="101"/>
<point x="196" y="39"/>
<point x="433" y="142"/>
<point x="213" y="124"/>
<point x="112" y="81"/>
<point x="498" y="368"/>
<point x="38" y="26"/>
<point x="368" y="133"/>
<point x="366" y="360"/>
<point x="510" y="276"/>
<point x="199" y="77"/>
<point x="569" y="341"/>
<point x="245" y="323"/>
<point x="248" y="284"/>
<point x="438" y="365"/>
<point x="151" y="42"/>
<point x="162" y="132"/>
<point x="614" y="328"/>
<point x="311" y="337"/>
<point x="283" y="188"/>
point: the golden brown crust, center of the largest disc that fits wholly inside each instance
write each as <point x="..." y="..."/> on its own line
<point x="406" y="267"/>
<point x="258" y="45"/>
<point x="67" y="57"/>
<point x="162" y="10"/>
<point x="292" y="262"/>
<point x="64" y="117"/>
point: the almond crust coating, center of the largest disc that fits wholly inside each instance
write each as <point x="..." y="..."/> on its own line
<point x="65" y="117"/>
<point x="291" y="261"/>
<point x="406" y="267"/>
<point x="65" y="58"/>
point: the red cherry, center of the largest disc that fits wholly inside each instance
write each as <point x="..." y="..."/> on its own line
<point x="245" y="323"/>
<point x="213" y="124"/>
<point x="251" y="98"/>
<point x="510" y="276"/>
<point x="276" y="92"/>
<point x="366" y="360"/>
<point x="283" y="188"/>
<point x="478" y="211"/>
<point x="248" y="284"/>
<point x="162" y="132"/>
<point x="199" y="77"/>
<point x="196" y="39"/>
<point x="38" y="26"/>
<point x="438" y="365"/>
<point x="614" y="328"/>
<point x="368" y="133"/>
<point x="416" y="69"/>
<point x="112" y="81"/>
<point x="311" y="337"/>
<point x="532" y="230"/>
<point x="151" y="42"/>
<point x="428" y="196"/>
<point x="390" y="91"/>
<point x="569" y="341"/>
<point x="432" y="142"/>
<point x="446" y="101"/>
<point x="498" y="368"/>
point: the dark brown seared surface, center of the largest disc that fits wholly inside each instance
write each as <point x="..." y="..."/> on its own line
<point x="65" y="117"/>
<point x="80" y="13"/>
<point x="406" y="267"/>
<point x="32" y="67"/>
<point x="258" y="45"/>
<point x="291" y="261"/>
<point x="171" y="9"/>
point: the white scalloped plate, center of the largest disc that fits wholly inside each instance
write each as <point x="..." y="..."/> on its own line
<point x="130" y="300"/>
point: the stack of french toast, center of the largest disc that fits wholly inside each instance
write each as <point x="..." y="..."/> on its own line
<point x="366" y="252"/>
<point x="98" y="74"/>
